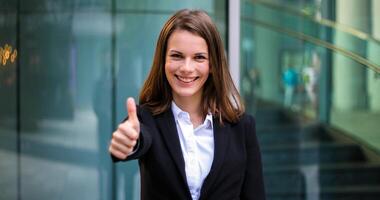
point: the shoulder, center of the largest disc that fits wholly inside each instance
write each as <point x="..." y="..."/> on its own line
<point x="143" y="109"/>
<point x="246" y="120"/>
<point x="248" y="124"/>
<point x="244" y="125"/>
<point x="144" y="113"/>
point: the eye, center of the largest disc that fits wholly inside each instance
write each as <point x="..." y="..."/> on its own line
<point x="200" y="58"/>
<point x="175" y="56"/>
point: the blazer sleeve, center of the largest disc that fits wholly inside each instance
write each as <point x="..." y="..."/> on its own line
<point x="145" y="138"/>
<point x="253" y="185"/>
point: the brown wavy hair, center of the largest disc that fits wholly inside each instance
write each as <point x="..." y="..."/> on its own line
<point x="220" y="96"/>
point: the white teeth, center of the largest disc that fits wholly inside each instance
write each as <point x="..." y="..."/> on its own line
<point x="186" y="79"/>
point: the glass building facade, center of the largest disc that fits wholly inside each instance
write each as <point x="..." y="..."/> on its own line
<point x="62" y="96"/>
<point x="309" y="71"/>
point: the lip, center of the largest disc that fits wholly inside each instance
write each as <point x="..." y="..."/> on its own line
<point x="186" y="80"/>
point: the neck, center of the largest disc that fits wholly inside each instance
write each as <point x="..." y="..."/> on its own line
<point x="191" y="106"/>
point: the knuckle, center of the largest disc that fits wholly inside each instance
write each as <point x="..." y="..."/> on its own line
<point x="129" y="150"/>
<point x="113" y="143"/>
<point x="136" y="126"/>
<point x="133" y="143"/>
<point x="117" y="136"/>
<point x="122" y="155"/>
<point x="120" y="127"/>
<point x="134" y="135"/>
<point x="121" y="146"/>
<point x="127" y="123"/>
<point x="114" y="133"/>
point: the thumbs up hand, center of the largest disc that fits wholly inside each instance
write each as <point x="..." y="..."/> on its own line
<point x="125" y="137"/>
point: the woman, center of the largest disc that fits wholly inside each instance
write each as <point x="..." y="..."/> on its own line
<point x="190" y="133"/>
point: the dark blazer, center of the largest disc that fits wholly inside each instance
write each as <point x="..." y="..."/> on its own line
<point x="236" y="171"/>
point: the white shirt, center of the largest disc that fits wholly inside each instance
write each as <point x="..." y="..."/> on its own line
<point x="197" y="147"/>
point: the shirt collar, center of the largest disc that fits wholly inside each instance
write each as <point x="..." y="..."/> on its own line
<point x="180" y="114"/>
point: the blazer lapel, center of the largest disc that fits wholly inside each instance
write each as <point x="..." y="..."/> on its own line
<point x="168" y="129"/>
<point x="221" y="138"/>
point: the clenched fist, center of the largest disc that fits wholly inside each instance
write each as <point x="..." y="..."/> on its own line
<point x="125" y="137"/>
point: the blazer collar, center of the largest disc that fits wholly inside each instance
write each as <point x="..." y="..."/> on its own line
<point x="221" y="138"/>
<point x="168" y="128"/>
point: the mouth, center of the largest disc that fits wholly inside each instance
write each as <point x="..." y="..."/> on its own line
<point x="186" y="79"/>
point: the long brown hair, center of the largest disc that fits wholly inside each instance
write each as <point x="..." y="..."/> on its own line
<point x="220" y="96"/>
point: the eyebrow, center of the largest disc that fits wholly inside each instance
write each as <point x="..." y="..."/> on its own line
<point x="199" y="53"/>
<point x="175" y="51"/>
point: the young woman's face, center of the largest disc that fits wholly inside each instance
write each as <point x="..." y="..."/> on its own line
<point x="187" y="64"/>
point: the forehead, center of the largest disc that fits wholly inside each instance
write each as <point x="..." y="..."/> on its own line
<point x="182" y="40"/>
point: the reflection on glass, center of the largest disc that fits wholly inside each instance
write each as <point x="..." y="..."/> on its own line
<point x="358" y="114"/>
<point x="7" y="54"/>
<point x="72" y="58"/>
<point x="65" y="105"/>
<point x="166" y="5"/>
<point x="302" y="65"/>
<point x="8" y="104"/>
<point x="64" y="5"/>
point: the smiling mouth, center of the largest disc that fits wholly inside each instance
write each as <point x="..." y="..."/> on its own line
<point x="186" y="79"/>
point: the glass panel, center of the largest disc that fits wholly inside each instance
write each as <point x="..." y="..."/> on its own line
<point x="8" y="5"/>
<point x="305" y="21"/>
<point x="332" y="73"/>
<point x="165" y="5"/>
<point x="276" y="66"/>
<point x="65" y="105"/>
<point x="66" y="94"/>
<point x="358" y="117"/>
<point x="64" y="5"/>
<point x="8" y="106"/>
<point x="135" y="43"/>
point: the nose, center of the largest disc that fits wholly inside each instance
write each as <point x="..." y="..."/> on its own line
<point x="188" y="65"/>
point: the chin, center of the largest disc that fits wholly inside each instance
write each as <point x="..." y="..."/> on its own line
<point x="182" y="93"/>
<point x="185" y="94"/>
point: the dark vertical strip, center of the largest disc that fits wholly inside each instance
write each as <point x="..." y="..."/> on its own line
<point x="325" y="89"/>
<point x="114" y="91"/>
<point x="18" y="102"/>
<point x="227" y="24"/>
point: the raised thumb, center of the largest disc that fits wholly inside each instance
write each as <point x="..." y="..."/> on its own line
<point x="132" y="113"/>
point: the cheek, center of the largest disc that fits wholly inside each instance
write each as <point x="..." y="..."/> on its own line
<point x="169" y="74"/>
<point x="166" y="69"/>
<point x="206" y="69"/>
<point x="169" y="68"/>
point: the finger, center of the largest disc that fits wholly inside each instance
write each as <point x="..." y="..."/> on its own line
<point x="122" y="139"/>
<point x="128" y="130"/>
<point x="117" y="154"/>
<point x="132" y="113"/>
<point x="121" y="147"/>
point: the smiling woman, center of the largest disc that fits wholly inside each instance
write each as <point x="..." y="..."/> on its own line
<point x="190" y="133"/>
<point x="157" y="92"/>
<point x="187" y="67"/>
